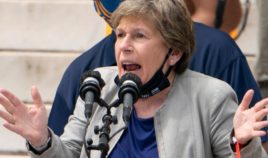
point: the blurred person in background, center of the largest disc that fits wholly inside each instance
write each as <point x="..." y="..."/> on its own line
<point x="222" y="14"/>
<point x="261" y="62"/>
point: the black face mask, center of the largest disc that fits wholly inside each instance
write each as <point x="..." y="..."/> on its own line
<point x="157" y="83"/>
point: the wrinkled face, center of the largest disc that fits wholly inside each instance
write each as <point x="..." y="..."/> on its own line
<point x="139" y="48"/>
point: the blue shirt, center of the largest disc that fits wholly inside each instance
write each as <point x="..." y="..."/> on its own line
<point x="216" y="54"/>
<point x="138" y="140"/>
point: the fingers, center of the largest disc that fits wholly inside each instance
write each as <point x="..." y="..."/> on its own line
<point x="7" y="104"/>
<point x="261" y="104"/>
<point x="259" y="133"/>
<point x="12" y="127"/>
<point x="261" y="114"/>
<point x="246" y="100"/>
<point x="260" y="125"/>
<point x="10" y="123"/>
<point x="36" y="96"/>
<point x="8" y="117"/>
<point x="10" y="97"/>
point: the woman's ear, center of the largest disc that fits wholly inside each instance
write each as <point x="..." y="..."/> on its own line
<point x="174" y="57"/>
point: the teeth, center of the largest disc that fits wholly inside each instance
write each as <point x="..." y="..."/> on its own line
<point x="127" y="63"/>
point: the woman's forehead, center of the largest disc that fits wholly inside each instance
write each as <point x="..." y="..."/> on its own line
<point x="138" y="21"/>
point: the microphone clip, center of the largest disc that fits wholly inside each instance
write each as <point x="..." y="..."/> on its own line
<point x="103" y="131"/>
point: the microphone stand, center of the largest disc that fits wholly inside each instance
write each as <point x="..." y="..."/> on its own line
<point x="129" y="90"/>
<point x="104" y="131"/>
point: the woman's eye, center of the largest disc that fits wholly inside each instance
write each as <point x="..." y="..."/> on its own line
<point x="118" y="35"/>
<point x="140" y="35"/>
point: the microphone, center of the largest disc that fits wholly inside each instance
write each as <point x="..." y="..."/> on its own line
<point x="91" y="85"/>
<point x="129" y="92"/>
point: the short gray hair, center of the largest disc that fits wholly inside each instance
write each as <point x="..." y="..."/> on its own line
<point x="170" y="17"/>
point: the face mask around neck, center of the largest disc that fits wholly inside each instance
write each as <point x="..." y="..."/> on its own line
<point x="158" y="82"/>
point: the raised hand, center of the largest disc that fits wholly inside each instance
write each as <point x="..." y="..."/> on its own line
<point x="29" y="122"/>
<point x="248" y="122"/>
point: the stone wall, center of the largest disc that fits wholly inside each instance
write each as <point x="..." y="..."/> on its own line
<point x="38" y="40"/>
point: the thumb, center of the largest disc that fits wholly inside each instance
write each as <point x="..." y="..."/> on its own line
<point x="246" y="100"/>
<point x="36" y="96"/>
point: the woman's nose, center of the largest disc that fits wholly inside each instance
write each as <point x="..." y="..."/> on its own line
<point x="126" y="44"/>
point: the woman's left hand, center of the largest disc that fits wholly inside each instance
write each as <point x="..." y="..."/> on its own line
<point x="248" y="122"/>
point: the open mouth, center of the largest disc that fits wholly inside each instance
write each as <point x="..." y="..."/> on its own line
<point x="131" y="67"/>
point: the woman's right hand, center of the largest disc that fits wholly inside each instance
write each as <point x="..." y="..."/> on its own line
<point x="29" y="122"/>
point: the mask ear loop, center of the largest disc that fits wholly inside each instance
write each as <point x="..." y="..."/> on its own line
<point x="166" y="58"/>
<point x="170" y="67"/>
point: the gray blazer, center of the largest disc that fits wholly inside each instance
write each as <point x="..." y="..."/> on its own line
<point x="195" y="121"/>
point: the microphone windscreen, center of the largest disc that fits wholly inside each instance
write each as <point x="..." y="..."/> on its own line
<point x="132" y="77"/>
<point x="94" y="74"/>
